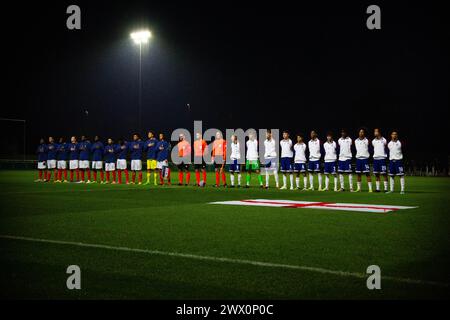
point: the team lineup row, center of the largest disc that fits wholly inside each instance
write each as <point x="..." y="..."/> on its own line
<point x="299" y="159"/>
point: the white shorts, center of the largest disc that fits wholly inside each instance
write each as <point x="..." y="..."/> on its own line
<point x="41" y="165"/>
<point x="51" y="164"/>
<point x="62" y="164"/>
<point x="110" y="166"/>
<point x="98" y="165"/>
<point x="161" y="164"/>
<point x="121" y="164"/>
<point x="73" y="164"/>
<point x="136" y="165"/>
<point x="84" y="164"/>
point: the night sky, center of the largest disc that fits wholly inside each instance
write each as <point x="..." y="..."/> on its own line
<point x="257" y="65"/>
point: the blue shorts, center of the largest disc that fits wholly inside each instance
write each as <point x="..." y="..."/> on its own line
<point x="329" y="168"/>
<point x="299" y="167"/>
<point x="286" y="165"/>
<point x="345" y="166"/>
<point x="235" y="166"/>
<point x="396" y="168"/>
<point x="314" y="166"/>
<point x="362" y="166"/>
<point x="379" y="166"/>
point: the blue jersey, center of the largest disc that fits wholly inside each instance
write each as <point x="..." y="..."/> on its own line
<point x="42" y="152"/>
<point x="74" y="151"/>
<point x="52" y="149"/>
<point x="163" y="148"/>
<point x="84" y="147"/>
<point x="122" y="151"/>
<point x="136" y="148"/>
<point x="110" y="153"/>
<point x="150" y="147"/>
<point x="62" y="151"/>
<point x="97" y="151"/>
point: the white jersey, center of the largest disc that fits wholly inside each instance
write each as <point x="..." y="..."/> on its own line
<point x="330" y="151"/>
<point x="235" y="151"/>
<point x="345" y="148"/>
<point x="314" y="150"/>
<point x="362" y="148"/>
<point x="395" y="150"/>
<point x="252" y="150"/>
<point x="269" y="149"/>
<point x="286" y="148"/>
<point x="379" y="148"/>
<point x="300" y="150"/>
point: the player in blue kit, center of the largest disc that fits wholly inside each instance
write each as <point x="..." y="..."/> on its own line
<point x="150" y="148"/>
<point x="62" y="154"/>
<point x="41" y="152"/>
<point x="110" y="161"/>
<point x="136" y="148"/>
<point x="74" y="153"/>
<point x="162" y="157"/>
<point x="84" y="147"/>
<point x="121" y="165"/>
<point x="52" y="149"/>
<point x="97" y="156"/>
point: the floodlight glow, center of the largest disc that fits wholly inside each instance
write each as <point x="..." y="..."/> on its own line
<point x="140" y="37"/>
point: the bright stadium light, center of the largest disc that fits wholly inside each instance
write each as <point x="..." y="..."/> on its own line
<point x="141" y="36"/>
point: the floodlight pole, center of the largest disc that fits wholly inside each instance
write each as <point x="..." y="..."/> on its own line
<point x="140" y="89"/>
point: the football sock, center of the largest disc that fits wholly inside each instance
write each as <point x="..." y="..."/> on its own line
<point x="77" y="174"/>
<point x="114" y="176"/>
<point x="232" y="179"/>
<point x="188" y="177"/>
<point x="385" y="185"/>
<point x="402" y="183"/>
<point x="341" y="180"/>
<point x="127" y="176"/>
<point x="391" y="180"/>
<point x="291" y="180"/>
<point x="358" y="185"/>
<point x="180" y="177"/>
<point x="133" y="176"/>
<point x="161" y="178"/>
<point x="377" y="185"/>
<point x="95" y="175"/>
<point x="49" y="175"/>
<point x="71" y="175"/>
<point x="204" y="176"/>
<point x="89" y="174"/>
<point x="197" y="177"/>
<point x="267" y="178"/>
<point x="350" y="181"/>
<point x="107" y="176"/>
<point x="260" y="180"/>
<point x="40" y="174"/>
<point x="140" y="176"/>
<point x="247" y="179"/>
<point x="65" y="174"/>
<point x="369" y="185"/>
<point x="217" y="178"/>
<point x="119" y="173"/>
<point x="239" y="179"/>
<point x="82" y="175"/>
<point x="148" y="177"/>
<point x="335" y="183"/>
<point x="155" y="178"/>
<point x="305" y="182"/>
<point x="319" y="176"/>
<point x="275" y="174"/>
<point x="101" y="175"/>
<point x="59" y="174"/>
<point x="297" y="182"/>
<point x="311" y="181"/>
<point x="284" y="180"/>
<point x="224" y="178"/>
<point x="327" y="181"/>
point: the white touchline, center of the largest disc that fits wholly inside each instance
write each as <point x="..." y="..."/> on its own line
<point x="226" y="260"/>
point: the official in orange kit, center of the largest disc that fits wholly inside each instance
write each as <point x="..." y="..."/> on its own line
<point x="219" y="154"/>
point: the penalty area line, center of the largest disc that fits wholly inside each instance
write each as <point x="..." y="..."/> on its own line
<point x="226" y="260"/>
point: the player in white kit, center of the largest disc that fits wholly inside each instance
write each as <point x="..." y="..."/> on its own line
<point x="379" y="144"/>
<point x="270" y="158"/>
<point x="300" y="162"/>
<point x="330" y="148"/>
<point x="345" y="160"/>
<point x="315" y="154"/>
<point x="396" y="162"/>
<point x="362" y="159"/>
<point x="235" y="166"/>
<point x="286" y="160"/>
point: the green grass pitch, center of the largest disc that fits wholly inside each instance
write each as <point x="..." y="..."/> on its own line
<point x="407" y="244"/>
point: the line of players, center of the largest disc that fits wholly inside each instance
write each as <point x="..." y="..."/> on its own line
<point x="299" y="159"/>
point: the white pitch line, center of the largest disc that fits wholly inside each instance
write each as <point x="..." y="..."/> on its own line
<point x="226" y="260"/>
